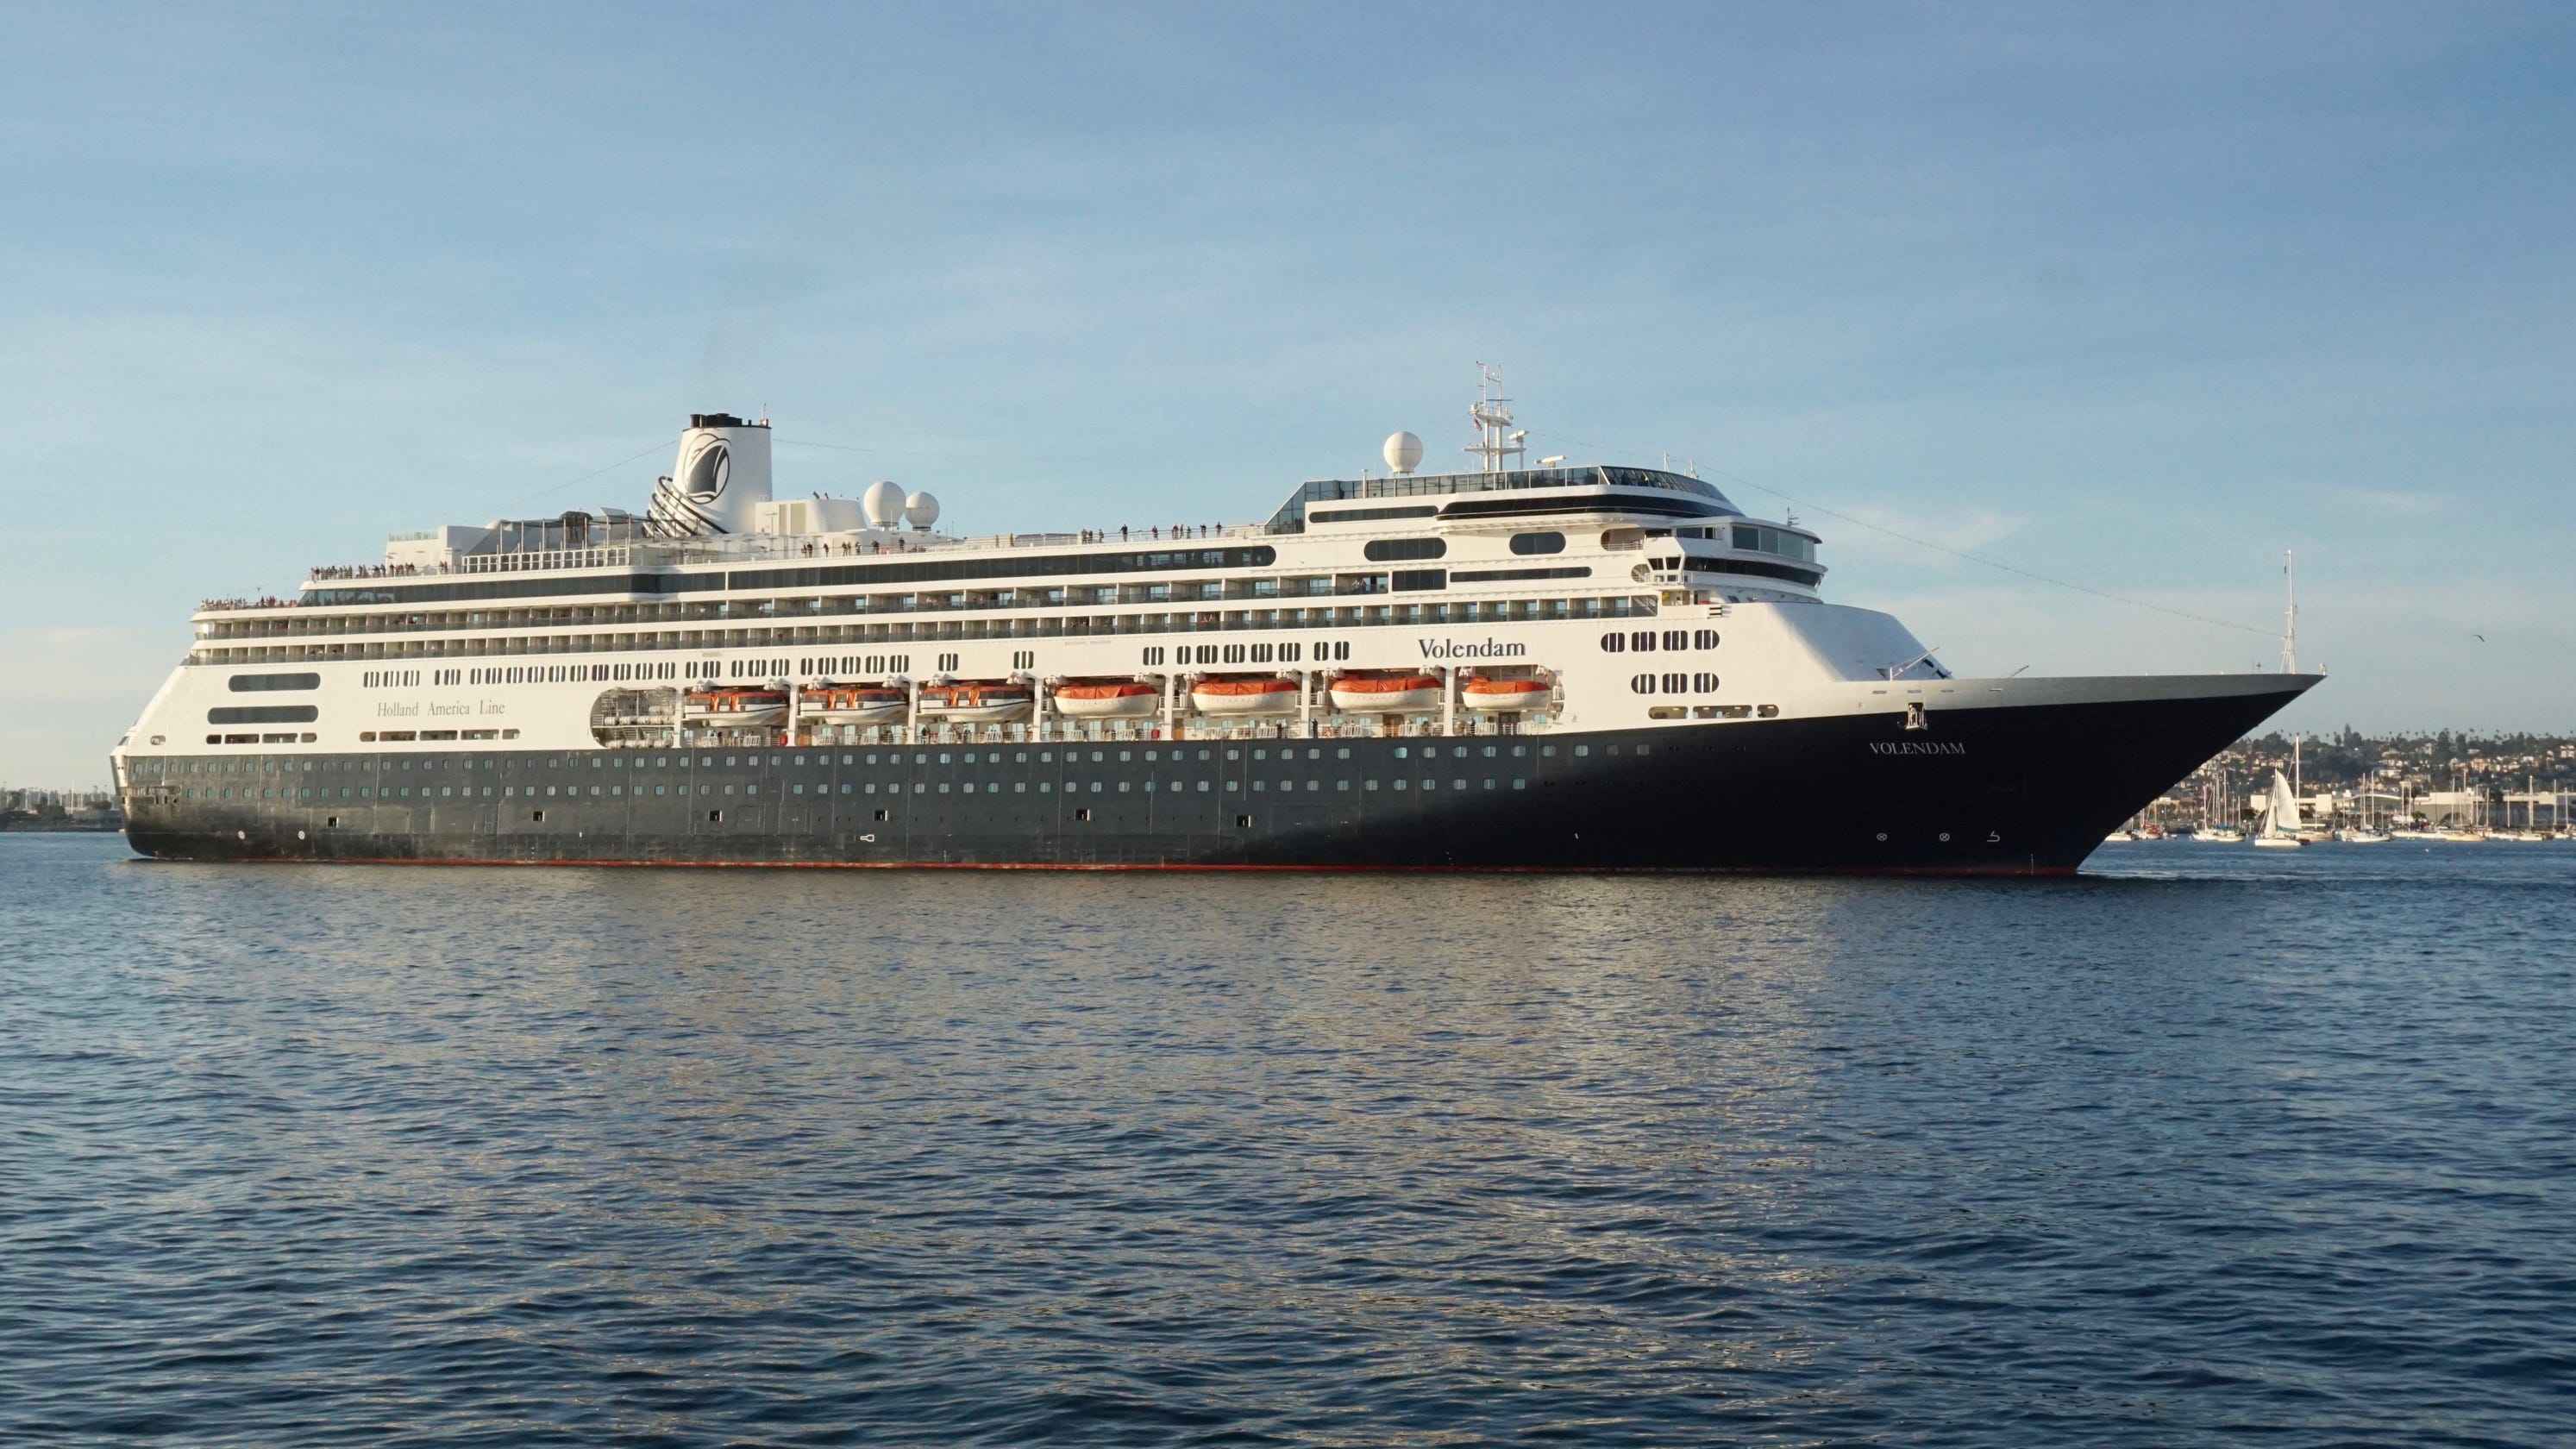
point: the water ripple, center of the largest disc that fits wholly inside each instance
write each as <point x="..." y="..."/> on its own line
<point x="2199" y="1149"/>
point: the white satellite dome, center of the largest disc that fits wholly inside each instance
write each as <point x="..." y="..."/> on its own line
<point x="1403" y="451"/>
<point x="882" y="504"/>
<point x="921" y="510"/>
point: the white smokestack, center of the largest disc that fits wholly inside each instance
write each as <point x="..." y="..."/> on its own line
<point x="721" y="479"/>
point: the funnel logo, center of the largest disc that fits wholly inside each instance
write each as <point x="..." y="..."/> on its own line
<point x="703" y="479"/>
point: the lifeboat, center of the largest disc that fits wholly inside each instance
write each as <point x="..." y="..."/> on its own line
<point x="732" y="707"/>
<point x="1503" y="696"/>
<point x="977" y="702"/>
<point x="1244" y="696"/>
<point x="853" y="704"/>
<point x="1107" y="699"/>
<point x="1386" y="693"/>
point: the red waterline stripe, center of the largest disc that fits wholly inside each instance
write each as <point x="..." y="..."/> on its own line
<point x="2052" y="871"/>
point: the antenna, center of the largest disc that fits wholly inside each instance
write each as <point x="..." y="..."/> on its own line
<point x="2290" y="621"/>
<point x="1492" y="415"/>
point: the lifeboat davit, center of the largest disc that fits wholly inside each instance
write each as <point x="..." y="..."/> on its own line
<point x="1386" y="693"/>
<point x="732" y="707"/>
<point x="1502" y="696"/>
<point x="977" y="702"/>
<point x="1244" y="696"/>
<point x="853" y="704"/>
<point x="1107" y="699"/>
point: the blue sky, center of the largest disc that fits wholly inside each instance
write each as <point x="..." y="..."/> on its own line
<point x="2132" y="297"/>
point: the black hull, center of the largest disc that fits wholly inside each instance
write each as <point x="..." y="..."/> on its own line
<point x="2004" y="791"/>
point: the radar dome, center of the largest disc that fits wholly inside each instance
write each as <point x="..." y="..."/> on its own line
<point x="921" y="510"/>
<point x="1403" y="451"/>
<point x="882" y="504"/>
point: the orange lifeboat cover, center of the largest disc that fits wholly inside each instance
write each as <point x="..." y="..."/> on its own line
<point x="1111" y="689"/>
<point x="1395" y="684"/>
<point x="1244" y="686"/>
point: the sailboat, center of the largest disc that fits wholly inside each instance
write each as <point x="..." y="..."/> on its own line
<point x="2280" y="828"/>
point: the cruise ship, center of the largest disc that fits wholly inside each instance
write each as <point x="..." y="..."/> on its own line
<point x="1503" y="667"/>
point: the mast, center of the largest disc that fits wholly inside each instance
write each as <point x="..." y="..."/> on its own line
<point x="2290" y="621"/>
<point x="1492" y="415"/>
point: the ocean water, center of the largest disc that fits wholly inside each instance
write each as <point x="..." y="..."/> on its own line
<point x="2210" y="1146"/>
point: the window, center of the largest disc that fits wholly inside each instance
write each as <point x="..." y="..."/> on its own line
<point x="1416" y="580"/>
<point x="1704" y="639"/>
<point x="1024" y="659"/>
<point x="1704" y="683"/>
<point x="1676" y="639"/>
<point x="1535" y="543"/>
<point x="1614" y="643"/>
<point x="253" y="683"/>
<point x="1154" y="655"/>
<point x="1643" y="641"/>
<point x="1676" y="683"/>
<point x="1642" y="684"/>
<point x="1396" y="550"/>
